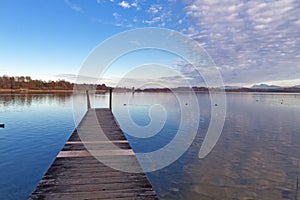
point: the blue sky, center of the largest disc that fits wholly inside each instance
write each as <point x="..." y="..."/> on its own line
<point x="251" y="42"/>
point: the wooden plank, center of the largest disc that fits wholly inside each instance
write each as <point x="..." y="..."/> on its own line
<point x="117" y="194"/>
<point x="97" y="142"/>
<point x="76" y="174"/>
<point x="85" y="153"/>
<point x="94" y="146"/>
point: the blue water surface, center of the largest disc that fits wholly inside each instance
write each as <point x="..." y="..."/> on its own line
<point x="255" y="157"/>
<point x="36" y="128"/>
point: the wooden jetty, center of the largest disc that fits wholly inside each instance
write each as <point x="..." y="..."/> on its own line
<point x="76" y="174"/>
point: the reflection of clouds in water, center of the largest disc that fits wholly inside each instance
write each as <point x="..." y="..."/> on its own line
<point x="259" y="148"/>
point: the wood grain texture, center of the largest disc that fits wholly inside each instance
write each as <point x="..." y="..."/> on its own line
<point x="76" y="174"/>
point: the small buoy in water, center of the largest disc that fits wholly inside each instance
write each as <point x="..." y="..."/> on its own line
<point x="256" y="100"/>
<point x="281" y="101"/>
<point x="124" y="104"/>
<point x="186" y="104"/>
<point x="216" y="104"/>
<point x="2" y="125"/>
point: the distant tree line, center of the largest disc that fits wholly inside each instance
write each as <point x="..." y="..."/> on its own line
<point x="26" y="82"/>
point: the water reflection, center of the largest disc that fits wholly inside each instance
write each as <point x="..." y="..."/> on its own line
<point x="138" y="107"/>
<point x="36" y="127"/>
<point x="27" y="99"/>
<point x="255" y="158"/>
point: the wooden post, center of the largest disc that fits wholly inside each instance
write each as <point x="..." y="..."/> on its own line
<point x="110" y="98"/>
<point x="88" y="100"/>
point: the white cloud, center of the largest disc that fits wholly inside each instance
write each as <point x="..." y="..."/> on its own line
<point x="124" y="4"/>
<point x="77" y="78"/>
<point x="134" y="4"/>
<point x="116" y="15"/>
<point x="152" y="21"/>
<point x="103" y="1"/>
<point x="152" y="10"/>
<point x="73" y="6"/>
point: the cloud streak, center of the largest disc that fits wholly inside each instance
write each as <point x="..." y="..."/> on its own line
<point x="73" y="6"/>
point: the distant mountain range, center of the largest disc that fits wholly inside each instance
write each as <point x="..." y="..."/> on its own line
<point x="265" y="86"/>
<point x="260" y="86"/>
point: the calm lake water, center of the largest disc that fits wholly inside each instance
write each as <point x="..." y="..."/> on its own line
<point x="255" y="158"/>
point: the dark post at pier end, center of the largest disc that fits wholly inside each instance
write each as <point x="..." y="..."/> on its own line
<point x="88" y="100"/>
<point x="110" y="98"/>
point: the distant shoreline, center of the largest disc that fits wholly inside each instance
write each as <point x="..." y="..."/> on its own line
<point x="26" y="85"/>
<point x="46" y="91"/>
<point x="154" y="90"/>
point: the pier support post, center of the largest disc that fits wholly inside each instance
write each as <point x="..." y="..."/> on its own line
<point x="88" y="100"/>
<point x="110" y="98"/>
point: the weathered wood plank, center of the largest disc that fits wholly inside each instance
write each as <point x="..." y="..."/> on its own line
<point x="94" y="146"/>
<point x="97" y="142"/>
<point x="117" y="194"/>
<point x="76" y="174"/>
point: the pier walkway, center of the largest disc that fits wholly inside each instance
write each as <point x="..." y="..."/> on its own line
<point x="76" y="174"/>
